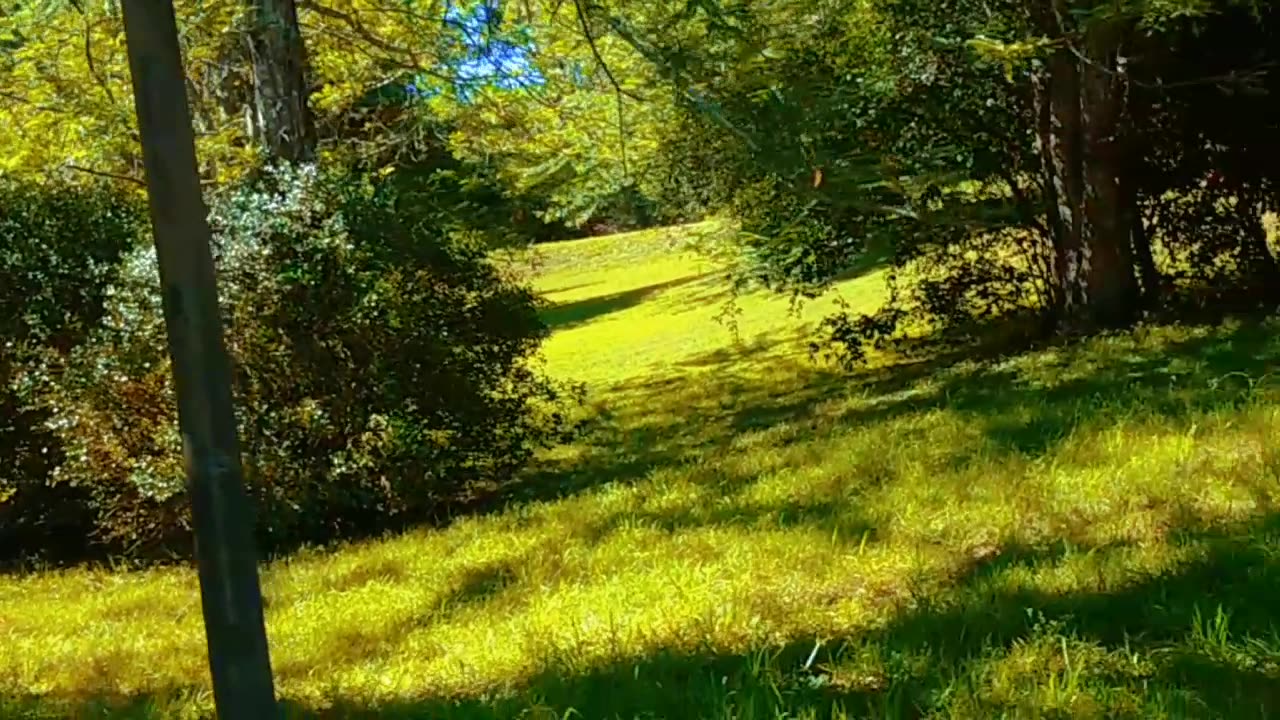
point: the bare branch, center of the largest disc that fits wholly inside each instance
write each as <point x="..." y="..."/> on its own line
<point x="359" y="28"/>
<point x="617" y="87"/>
<point x="98" y="77"/>
<point x="39" y="106"/>
<point x="595" y="51"/>
<point x="1229" y="78"/>
<point x="105" y="174"/>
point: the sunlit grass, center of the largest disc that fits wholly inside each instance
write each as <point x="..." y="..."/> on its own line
<point x="1087" y="531"/>
<point x="648" y="305"/>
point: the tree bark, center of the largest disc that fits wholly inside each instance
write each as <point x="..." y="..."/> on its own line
<point x="1080" y="98"/>
<point x="1257" y="253"/>
<point x="1152" y="283"/>
<point x="1137" y="116"/>
<point x="281" y="122"/>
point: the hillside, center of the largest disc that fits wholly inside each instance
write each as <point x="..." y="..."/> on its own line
<point x="1086" y="531"/>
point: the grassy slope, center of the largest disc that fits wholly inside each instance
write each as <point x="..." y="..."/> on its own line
<point x="1081" y="532"/>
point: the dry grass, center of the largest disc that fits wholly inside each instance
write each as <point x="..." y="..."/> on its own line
<point x="1088" y="531"/>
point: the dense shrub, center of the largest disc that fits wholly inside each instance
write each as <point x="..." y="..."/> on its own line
<point x="383" y="368"/>
<point x="60" y="248"/>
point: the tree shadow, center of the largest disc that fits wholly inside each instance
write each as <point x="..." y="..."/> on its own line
<point x="105" y="705"/>
<point x="380" y="636"/>
<point x="567" y="288"/>
<point x="1024" y="405"/>
<point x="672" y="421"/>
<point x="828" y="516"/>
<point x="1197" y="640"/>
<point x="562" y="316"/>
<point x="1027" y="408"/>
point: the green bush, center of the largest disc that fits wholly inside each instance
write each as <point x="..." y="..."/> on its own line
<point x="383" y="369"/>
<point x="60" y="248"/>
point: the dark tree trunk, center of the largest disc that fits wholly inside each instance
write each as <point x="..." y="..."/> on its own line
<point x="1266" y="270"/>
<point x="1107" y="241"/>
<point x="1080" y="100"/>
<point x="1136" y="148"/>
<point x="282" y="122"/>
<point x="1152" y="283"/>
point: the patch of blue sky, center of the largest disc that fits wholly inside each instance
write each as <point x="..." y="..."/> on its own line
<point x="493" y="53"/>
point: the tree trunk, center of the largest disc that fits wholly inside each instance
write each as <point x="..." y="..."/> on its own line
<point x="1152" y="283"/>
<point x="1256" y="251"/>
<point x="1080" y="103"/>
<point x="1137" y="117"/>
<point x="281" y="121"/>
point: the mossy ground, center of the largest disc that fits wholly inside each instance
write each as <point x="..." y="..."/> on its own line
<point x="1085" y="531"/>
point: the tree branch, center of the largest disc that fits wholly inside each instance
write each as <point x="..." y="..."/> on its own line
<point x="1228" y="78"/>
<point x="359" y="28"/>
<point x="617" y="87"/>
<point x="97" y="76"/>
<point x="595" y="51"/>
<point x="105" y="174"/>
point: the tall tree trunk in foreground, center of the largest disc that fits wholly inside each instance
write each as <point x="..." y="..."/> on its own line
<point x="282" y="123"/>
<point x="1079" y="97"/>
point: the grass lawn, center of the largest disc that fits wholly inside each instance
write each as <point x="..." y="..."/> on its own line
<point x="1087" y="531"/>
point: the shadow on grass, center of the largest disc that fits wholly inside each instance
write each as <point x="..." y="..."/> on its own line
<point x="1199" y="640"/>
<point x="864" y="263"/>
<point x="723" y="291"/>
<point x="562" y="316"/>
<point x="1027" y="408"/>
<point x="1024" y="406"/>
<point x="567" y="288"/>
<point x="832" y="517"/>
<point x="377" y="639"/>
<point x="652" y="424"/>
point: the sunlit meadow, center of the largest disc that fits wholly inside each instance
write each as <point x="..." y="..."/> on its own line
<point x="1084" y="531"/>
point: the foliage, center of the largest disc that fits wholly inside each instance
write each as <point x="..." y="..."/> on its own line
<point x="382" y="371"/>
<point x="1203" y="144"/>
<point x="861" y="130"/>
<point x="834" y="132"/>
<point x="60" y="247"/>
<point x="67" y="98"/>
<point x="550" y="123"/>
<point x="62" y="244"/>
<point x="585" y="136"/>
<point x="466" y="194"/>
